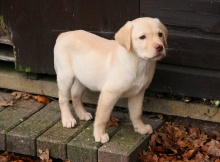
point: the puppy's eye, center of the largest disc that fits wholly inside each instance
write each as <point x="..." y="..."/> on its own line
<point x="142" y="37"/>
<point x="160" y="34"/>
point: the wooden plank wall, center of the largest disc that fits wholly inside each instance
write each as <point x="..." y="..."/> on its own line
<point x="36" y="24"/>
<point x="192" y="66"/>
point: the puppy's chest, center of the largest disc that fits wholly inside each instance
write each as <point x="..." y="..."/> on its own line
<point x="139" y="82"/>
<point x="143" y="77"/>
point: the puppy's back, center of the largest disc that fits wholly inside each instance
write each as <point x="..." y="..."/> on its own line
<point x="83" y="39"/>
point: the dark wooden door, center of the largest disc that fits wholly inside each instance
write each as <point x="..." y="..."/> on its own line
<point x="192" y="66"/>
<point x="34" y="25"/>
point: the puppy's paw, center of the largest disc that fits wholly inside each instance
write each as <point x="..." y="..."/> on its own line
<point x="85" y="116"/>
<point x="103" y="138"/>
<point x="68" y="121"/>
<point x="144" y="129"/>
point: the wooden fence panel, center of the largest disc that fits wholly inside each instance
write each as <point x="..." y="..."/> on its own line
<point x="35" y="25"/>
<point x="199" y="14"/>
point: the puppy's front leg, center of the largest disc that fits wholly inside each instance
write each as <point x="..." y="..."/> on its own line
<point x="135" y="110"/>
<point x="106" y="103"/>
<point x="64" y="84"/>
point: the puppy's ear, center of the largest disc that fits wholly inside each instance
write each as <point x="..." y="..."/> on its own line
<point x="123" y="36"/>
<point x="164" y="31"/>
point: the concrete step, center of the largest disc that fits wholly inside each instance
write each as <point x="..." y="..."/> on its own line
<point x="25" y="128"/>
<point x="46" y="85"/>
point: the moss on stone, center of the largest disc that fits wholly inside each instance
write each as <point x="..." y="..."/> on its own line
<point x="26" y="69"/>
<point x="3" y="27"/>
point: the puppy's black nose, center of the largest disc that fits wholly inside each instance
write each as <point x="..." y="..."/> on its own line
<point x="159" y="47"/>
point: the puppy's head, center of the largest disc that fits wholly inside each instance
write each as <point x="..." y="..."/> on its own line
<point x="147" y="37"/>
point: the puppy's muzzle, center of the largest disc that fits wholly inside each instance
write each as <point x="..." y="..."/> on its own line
<point x="159" y="47"/>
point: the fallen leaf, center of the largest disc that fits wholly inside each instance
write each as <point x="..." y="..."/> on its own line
<point x="205" y="148"/>
<point x="6" y="103"/>
<point x="26" y="96"/>
<point x="175" y="143"/>
<point x="155" y="158"/>
<point x="213" y="148"/>
<point x="217" y="134"/>
<point x="153" y="140"/>
<point x="42" y="99"/>
<point x="3" y="159"/>
<point x="162" y="150"/>
<point x="189" y="154"/>
<point x="113" y="122"/>
<point x="184" y="144"/>
<point x="44" y="155"/>
<point x="160" y="116"/>
<point x="17" y="95"/>
<point x="6" y="157"/>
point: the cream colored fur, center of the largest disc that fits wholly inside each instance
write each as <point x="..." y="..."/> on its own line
<point x="123" y="67"/>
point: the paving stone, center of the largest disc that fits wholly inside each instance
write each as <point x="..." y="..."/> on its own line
<point x="1" y="108"/>
<point x="57" y="137"/>
<point x="125" y="144"/>
<point x="22" y="139"/>
<point x="83" y="147"/>
<point x="12" y="116"/>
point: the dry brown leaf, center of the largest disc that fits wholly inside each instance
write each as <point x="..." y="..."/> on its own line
<point x="6" y="103"/>
<point x="217" y="134"/>
<point x="205" y="148"/>
<point x="184" y="144"/>
<point x="155" y="158"/>
<point x="26" y="96"/>
<point x="44" y="155"/>
<point x="142" y="157"/>
<point x="6" y="157"/>
<point x="17" y="95"/>
<point x="160" y="116"/>
<point x="194" y="133"/>
<point x="162" y="150"/>
<point x="42" y="99"/>
<point x="213" y="148"/>
<point x="3" y="159"/>
<point x="153" y="140"/>
<point x="200" y="142"/>
<point x="175" y="143"/>
<point x="113" y="122"/>
<point x="189" y="154"/>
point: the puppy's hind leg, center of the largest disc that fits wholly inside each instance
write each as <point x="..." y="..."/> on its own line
<point x="76" y="93"/>
<point x="64" y="84"/>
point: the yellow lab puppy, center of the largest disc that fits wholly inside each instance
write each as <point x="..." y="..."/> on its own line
<point x="118" y="68"/>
